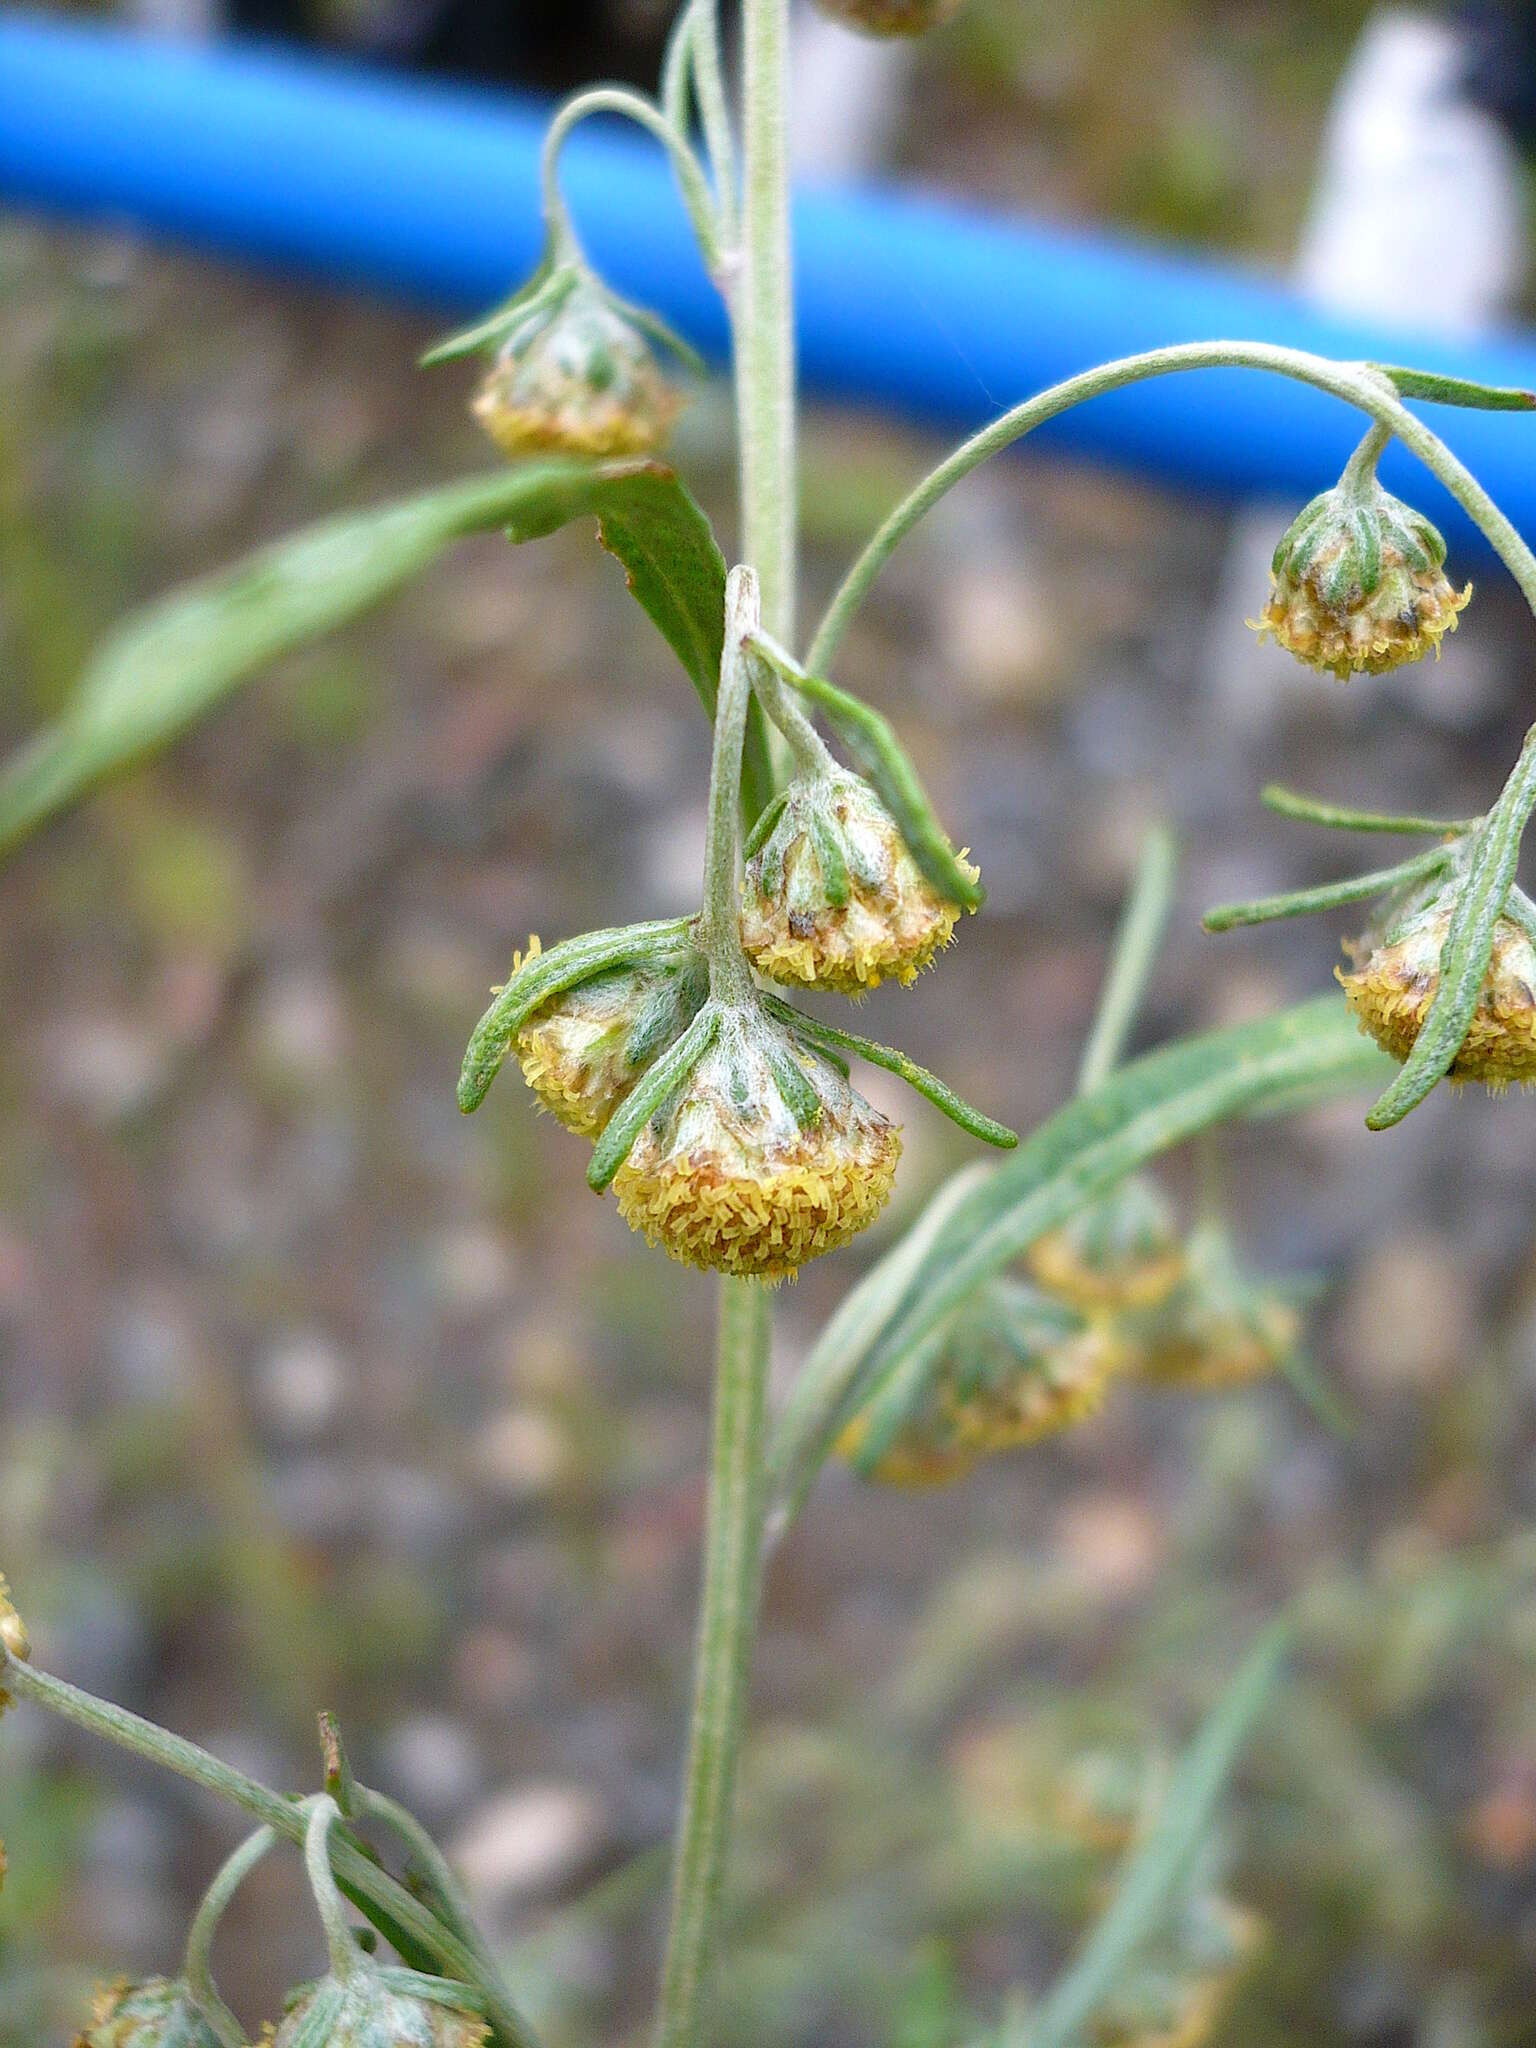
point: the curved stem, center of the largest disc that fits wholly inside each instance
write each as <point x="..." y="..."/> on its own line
<point x="197" y="1970"/>
<point x="341" y="1946"/>
<point x="373" y="1888"/>
<point x="634" y="106"/>
<point x="730" y="977"/>
<point x="1359" y="473"/>
<point x="714" y="111"/>
<point x="451" y="1902"/>
<point x="811" y="753"/>
<point x="1355" y="383"/>
<point x="727" y="1626"/>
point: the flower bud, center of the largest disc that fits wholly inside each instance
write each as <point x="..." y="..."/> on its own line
<point x="1395" y="972"/>
<point x="576" y="375"/>
<point x="1219" y="1329"/>
<point x="1120" y="1252"/>
<point x="891" y="17"/>
<point x="1359" y="583"/>
<point x="158" y="2013"/>
<point x="583" y="1050"/>
<point x="1012" y="1370"/>
<point x="383" y="2008"/>
<point x="764" y="1157"/>
<point x="13" y="1636"/>
<point x="833" y="897"/>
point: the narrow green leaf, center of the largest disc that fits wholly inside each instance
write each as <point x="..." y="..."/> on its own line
<point x="1156" y="1871"/>
<point x="1140" y="933"/>
<point x="178" y="658"/>
<point x="1436" y="389"/>
<point x="1144" y="1108"/>
<point x="1468" y="945"/>
<point x="546" y="975"/>
<point x="1328" y="895"/>
<point x="927" y="1085"/>
<point x="1291" y="803"/>
<point x="647" y="1096"/>
<point x="871" y="743"/>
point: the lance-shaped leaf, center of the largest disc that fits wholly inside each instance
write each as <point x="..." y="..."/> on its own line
<point x="174" y="661"/>
<point x="871" y="744"/>
<point x="1436" y="389"/>
<point x="1468" y="946"/>
<point x="1157" y="1872"/>
<point x="1143" y="1108"/>
<point x="927" y="1084"/>
<point x="1291" y="803"/>
<point x="550" y="974"/>
<point x="647" y="1096"/>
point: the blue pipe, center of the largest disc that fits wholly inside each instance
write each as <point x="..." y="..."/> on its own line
<point x="429" y="193"/>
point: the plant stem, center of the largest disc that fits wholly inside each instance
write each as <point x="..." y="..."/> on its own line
<point x="763" y="316"/>
<point x="374" y="1888"/>
<point x="345" y="1956"/>
<point x="727" y="1626"/>
<point x="719" y="930"/>
<point x="1356" y="383"/>
<point x="1136" y="943"/>
<point x="197" y="1970"/>
<point x="634" y="106"/>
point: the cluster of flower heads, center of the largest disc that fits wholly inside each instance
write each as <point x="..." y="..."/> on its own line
<point x="1079" y="1799"/>
<point x="1117" y="1292"/>
<point x="1359" y="583"/>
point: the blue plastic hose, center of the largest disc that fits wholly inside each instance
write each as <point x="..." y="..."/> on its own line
<point x="915" y="305"/>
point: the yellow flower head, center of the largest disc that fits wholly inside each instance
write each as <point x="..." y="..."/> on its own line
<point x="13" y="1635"/>
<point x="158" y="2013"/>
<point x="891" y="17"/>
<point x="833" y="897"/>
<point x="1120" y="1252"/>
<point x="383" y="2008"/>
<point x="583" y="1050"/>
<point x="1010" y="1370"/>
<point x="1395" y="972"/>
<point x="764" y="1157"/>
<point x="576" y="377"/>
<point x="1359" y="583"/>
<point x="1219" y="1329"/>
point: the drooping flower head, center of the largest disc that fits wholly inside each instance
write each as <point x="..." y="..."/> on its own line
<point x="13" y="1636"/>
<point x="575" y="375"/>
<point x="833" y="897"/>
<point x="158" y="2013"/>
<point x="1359" y="583"/>
<point x="1219" y="1328"/>
<point x="1395" y="973"/>
<point x="1122" y="1251"/>
<point x="764" y="1157"/>
<point x="383" y="2008"/>
<point x="1010" y="1369"/>
<point x="582" y="1050"/>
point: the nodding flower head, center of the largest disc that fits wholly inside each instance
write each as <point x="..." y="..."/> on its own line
<point x="1219" y="1328"/>
<point x="1122" y="1251"/>
<point x="891" y="17"/>
<point x="1395" y="972"/>
<point x="1010" y="1370"/>
<point x="763" y="1157"/>
<point x="158" y="2013"/>
<point x="583" y="1049"/>
<point x="1359" y="583"/>
<point x="576" y="376"/>
<point x="833" y="897"/>
<point x="383" y="2008"/>
<point x="13" y="1636"/>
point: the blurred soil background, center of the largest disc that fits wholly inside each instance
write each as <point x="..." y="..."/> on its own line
<point x="315" y="1392"/>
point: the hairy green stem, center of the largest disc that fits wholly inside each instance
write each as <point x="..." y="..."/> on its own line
<point x="634" y="106"/>
<point x="373" y="1888"/>
<point x="346" y="1957"/>
<point x="431" y="1863"/>
<point x="703" y="26"/>
<point x="727" y="1626"/>
<point x="1311" y="810"/>
<point x="197" y="1969"/>
<point x="1356" y="383"/>
<point x="1136" y="942"/>
<point x="719" y="928"/>
<point x="1226" y="917"/>
<point x="763" y="318"/>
